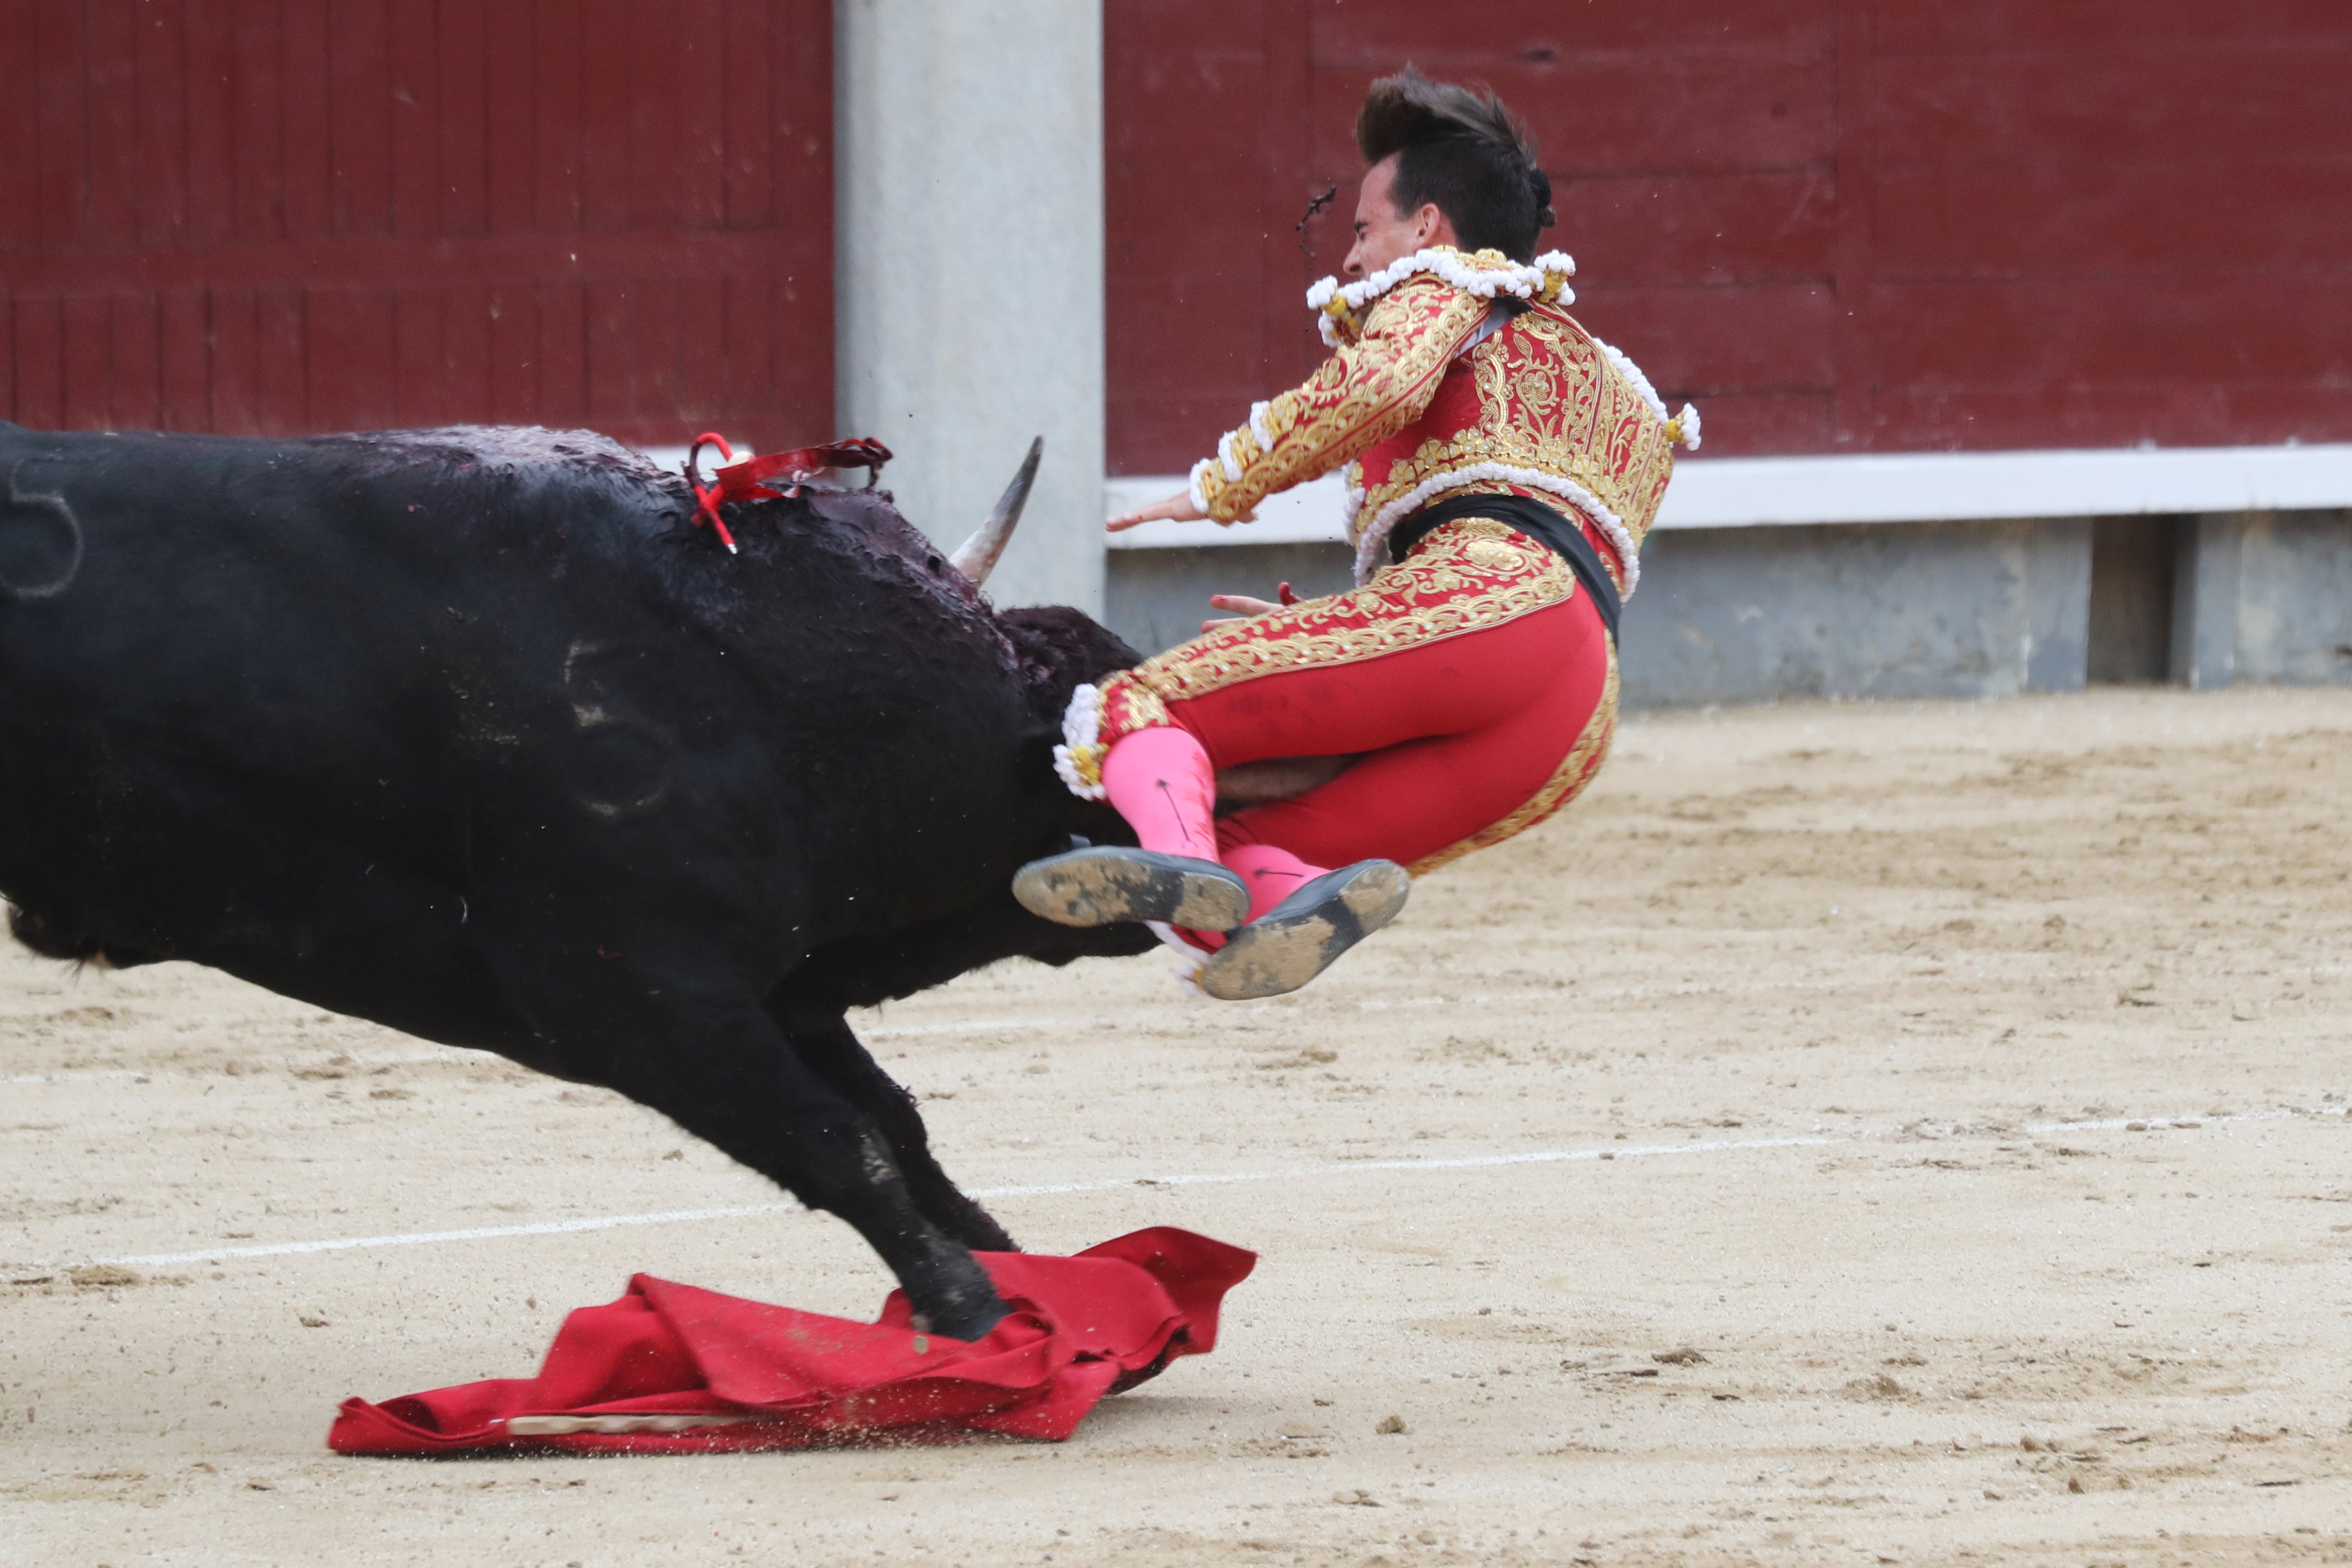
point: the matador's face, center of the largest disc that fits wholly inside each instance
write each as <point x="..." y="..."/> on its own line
<point x="1384" y="235"/>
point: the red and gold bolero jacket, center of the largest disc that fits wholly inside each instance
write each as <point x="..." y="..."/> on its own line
<point x="1435" y="388"/>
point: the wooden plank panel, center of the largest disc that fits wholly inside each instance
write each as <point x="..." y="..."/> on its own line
<point x="88" y="356"/>
<point x="306" y="123"/>
<point x="801" y="350"/>
<point x="134" y="362"/>
<point x="2046" y="220"/>
<point x="358" y="78"/>
<point x="562" y="400"/>
<point x="1648" y="113"/>
<point x="2174" y="414"/>
<point x="1166" y="434"/>
<point x="702" y="252"/>
<point x="2111" y="27"/>
<point x="693" y="178"/>
<point x="1377" y="35"/>
<point x="510" y="162"/>
<point x="1193" y="125"/>
<point x="1857" y="314"/>
<point x="111" y="81"/>
<point x="748" y="169"/>
<point x="800" y="102"/>
<point x="40" y="362"/>
<point x="612" y="359"/>
<point x="1206" y="360"/>
<point x="184" y="362"/>
<point x="161" y="71"/>
<point x="659" y="323"/>
<point x="233" y="327"/>
<point x="63" y="148"/>
<point x="744" y="350"/>
<point x="1289" y="179"/>
<point x="210" y="41"/>
<point x="20" y="133"/>
<point x="514" y="354"/>
<point x="259" y="125"/>
<point x="656" y="150"/>
<point x="281" y="172"/>
<point x="1734" y="229"/>
<point x="412" y="106"/>
<point x="461" y="122"/>
<point x="1702" y="342"/>
<point x="348" y="341"/>
<point x="280" y="368"/>
<point x="466" y="355"/>
<point x="560" y="111"/>
<point x="2065" y="336"/>
<point x="2183" y="106"/>
<point x="608" y="80"/>
<point x="420" y="395"/>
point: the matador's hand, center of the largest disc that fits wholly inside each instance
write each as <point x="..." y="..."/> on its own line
<point x="1240" y="604"/>
<point x="1176" y="508"/>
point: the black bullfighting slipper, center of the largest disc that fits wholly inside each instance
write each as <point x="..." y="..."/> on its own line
<point x="1300" y="937"/>
<point x="1105" y="885"/>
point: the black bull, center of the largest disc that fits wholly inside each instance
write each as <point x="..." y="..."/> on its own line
<point x="475" y="733"/>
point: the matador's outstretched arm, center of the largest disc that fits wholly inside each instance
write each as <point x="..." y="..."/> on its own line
<point x="1369" y="389"/>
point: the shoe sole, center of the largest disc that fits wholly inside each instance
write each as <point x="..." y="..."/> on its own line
<point x="1107" y="886"/>
<point x="1272" y="958"/>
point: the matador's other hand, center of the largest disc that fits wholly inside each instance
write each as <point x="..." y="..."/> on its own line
<point x="1176" y="508"/>
<point x="1240" y="604"/>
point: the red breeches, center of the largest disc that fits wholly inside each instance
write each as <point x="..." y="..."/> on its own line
<point x="1475" y="682"/>
<point x="1457" y="737"/>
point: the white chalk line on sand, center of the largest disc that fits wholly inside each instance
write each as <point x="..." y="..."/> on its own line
<point x="1201" y="1179"/>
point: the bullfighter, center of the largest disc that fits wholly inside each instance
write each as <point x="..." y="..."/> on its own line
<point x="1504" y="465"/>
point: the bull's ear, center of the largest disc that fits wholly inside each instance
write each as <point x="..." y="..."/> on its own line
<point x="976" y="556"/>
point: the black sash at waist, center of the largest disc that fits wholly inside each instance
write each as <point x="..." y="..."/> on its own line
<point x="1538" y="521"/>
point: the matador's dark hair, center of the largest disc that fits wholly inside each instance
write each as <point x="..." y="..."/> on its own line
<point x="1464" y="152"/>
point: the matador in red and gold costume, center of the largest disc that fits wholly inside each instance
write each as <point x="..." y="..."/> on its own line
<point x="1503" y="466"/>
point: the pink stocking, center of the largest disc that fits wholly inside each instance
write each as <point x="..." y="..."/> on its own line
<point x="1273" y="875"/>
<point x="1160" y="781"/>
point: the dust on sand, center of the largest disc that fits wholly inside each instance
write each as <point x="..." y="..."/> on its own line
<point x="1880" y="1134"/>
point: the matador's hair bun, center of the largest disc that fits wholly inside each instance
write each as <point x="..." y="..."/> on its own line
<point x="1465" y="152"/>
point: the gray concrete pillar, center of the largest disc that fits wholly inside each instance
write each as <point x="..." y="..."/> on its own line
<point x="968" y="280"/>
<point x="2058" y="604"/>
<point x="2205" y="599"/>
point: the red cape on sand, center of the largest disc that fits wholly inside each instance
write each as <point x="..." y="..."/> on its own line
<point x="669" y="1368"/>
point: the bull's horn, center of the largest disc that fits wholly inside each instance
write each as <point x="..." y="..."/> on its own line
<point x="976" y="556"/>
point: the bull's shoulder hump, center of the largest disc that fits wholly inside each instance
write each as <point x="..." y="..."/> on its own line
<point x="514" y="446"/>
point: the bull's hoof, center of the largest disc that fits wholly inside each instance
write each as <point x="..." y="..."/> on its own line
<point x="1300" y="937"/>
<point x="1107" y="885"/>
<point x="965" y="1323"/>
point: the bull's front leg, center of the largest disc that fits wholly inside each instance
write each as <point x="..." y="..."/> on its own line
<point x="728" y="1074"/>
<point x="831" y="1050"/>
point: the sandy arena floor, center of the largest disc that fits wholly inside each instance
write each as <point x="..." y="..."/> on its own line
<point x="1898" y="1134"/>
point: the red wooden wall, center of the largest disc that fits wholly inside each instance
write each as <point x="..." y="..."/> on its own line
<point x="1882" y="224"/>
<point x="286" y="215"/>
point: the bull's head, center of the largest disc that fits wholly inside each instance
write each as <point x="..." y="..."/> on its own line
<point x="1070" y="647"/>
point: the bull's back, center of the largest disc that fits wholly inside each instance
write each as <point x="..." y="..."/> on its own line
<point x="513" y="676"/>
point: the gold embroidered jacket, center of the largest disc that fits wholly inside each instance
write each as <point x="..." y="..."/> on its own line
<point x="1437" y="387"/>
